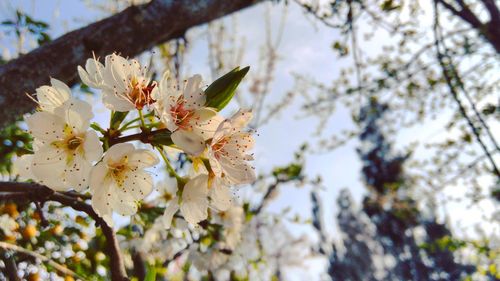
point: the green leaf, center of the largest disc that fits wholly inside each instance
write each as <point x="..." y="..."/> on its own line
<point x="117" y="118"/>
<point x="161" y="138"/>
<point x="151" y="274"/>
<point x="222" y="90"/>
<point x="288" y="173"/>
<point x="43" y="38"/>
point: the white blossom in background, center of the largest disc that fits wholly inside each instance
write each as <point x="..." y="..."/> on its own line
<point x="124" y="83"/>
<point x="228" y="150"/>
<point x="183" y="113"/>
<point x="119" y="180"/>
<point x="162" y="243"/>
<point x="7" y="224"/>
<point x="66" y="148"/>
<point x="167" y="191"/>
<point x="232" y="220"/>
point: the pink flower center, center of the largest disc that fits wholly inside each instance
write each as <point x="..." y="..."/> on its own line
<point x="182" y="117"/>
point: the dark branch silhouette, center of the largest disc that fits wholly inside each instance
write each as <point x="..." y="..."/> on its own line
<point x="489" y="29"/>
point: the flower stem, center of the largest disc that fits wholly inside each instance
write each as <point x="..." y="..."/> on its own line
<point x="141" y="117"/>
<point x="170" y="169"/>
<point x="126" y="125"/>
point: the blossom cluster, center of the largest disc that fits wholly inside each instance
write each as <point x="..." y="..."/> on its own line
<point x="68" y="153"/>
<point x="236" y="245"/>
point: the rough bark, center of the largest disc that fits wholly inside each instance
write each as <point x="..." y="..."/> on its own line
<point x="129" y="33"/>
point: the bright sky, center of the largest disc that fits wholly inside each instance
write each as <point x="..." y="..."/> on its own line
<point x="306" y="49"/>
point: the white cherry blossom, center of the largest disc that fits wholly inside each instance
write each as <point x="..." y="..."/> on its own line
<point x="7" y="224"/>
<point x="183" y="113"/>
<point x="124" y="83"/>
<point x="119" y="180"/>
<point x="228" y="150"/>
<point x="50" y="97"/>
<point x="193" y="204"/>
<point x="65" y="149"/>
<point x="92" y="74"/>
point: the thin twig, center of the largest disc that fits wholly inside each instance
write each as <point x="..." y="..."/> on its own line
<point x="267" y="197"/>
<point x="441" y="57"/>
<point x="52" y="263"/>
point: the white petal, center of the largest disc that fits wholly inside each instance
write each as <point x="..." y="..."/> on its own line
<point x="237" y="172"/>
<point x="49" y="164"/>
<point x="115" y="72"/>
<point x="169" y="213"/>
<point x="220" y="196"/>
<point x="214" y="164"/>
<point x="241" y="118"/>
<point x="123" y="204"/>
<point x="205" y="122"/>
<point x="194" y="200"/>
<point x="190" y="142"/>
<point x="116" y="152"/>
<point x="98" y="174"/>
<point x="92" y="146"/>
<point x="194" y="96"/>
<point x="142" y="158"/>
<point x="223" y="130"/>
<point x="46" y="126"/>
<point x="63" y="89"/>
<point x="76" y="113"/>
<point x="50" y="97"/>
<point x="100" y="202"/>
<point x="138" y="185"/>
<point x="22" y="166"/>
<point x="241" y="142"/>
<point x="114" y="102"/>
<point x="108" y="218"/>
<point x="85" y="77"/>
<point x="92" y="75"/>
<point x="168" y="185"/>
<point x="77" y="173"/>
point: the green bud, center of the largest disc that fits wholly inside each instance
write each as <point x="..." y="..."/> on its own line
<point x="222" y="90"/>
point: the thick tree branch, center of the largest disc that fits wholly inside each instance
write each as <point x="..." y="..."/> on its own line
<point x="489" y="30"/>
<point x="492" y="10"/>
<point x="33" y="192"/>
<point x="129" y="33"/>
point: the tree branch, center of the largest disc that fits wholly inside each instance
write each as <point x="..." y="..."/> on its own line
<point x="489" y="30"/>
<point x="445" y="67"/>
<point x="465" y="14"/>
<point x="129" y="33"/>
<point x="267" y="196"/>
<point x="33" y="192"/>
<point x="492" y="10"/>
<point x="59" y="267"/>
